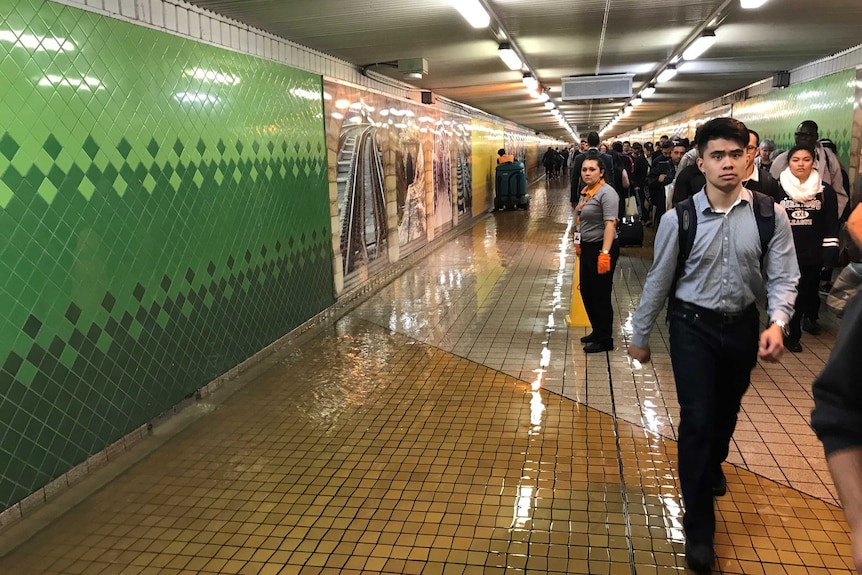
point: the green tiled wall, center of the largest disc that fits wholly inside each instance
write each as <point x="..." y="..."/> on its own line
<point x="828" y="101"/>
<point x="163" y="216"/>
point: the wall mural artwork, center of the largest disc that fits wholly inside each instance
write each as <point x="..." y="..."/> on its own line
<point x="411" y="189"/>
<point x="400" y="171"/>
<point x="442" y="175"/>
<point x="464" y="170"/>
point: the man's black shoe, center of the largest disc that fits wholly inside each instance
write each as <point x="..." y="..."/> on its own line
<point x="699" y="557"/>
<point x="588" y="338"/>
<point x="719" y="485"/>
<point x="793" y="345"/>
<point x="811" y="326"/>
<point x="599" y="346"/>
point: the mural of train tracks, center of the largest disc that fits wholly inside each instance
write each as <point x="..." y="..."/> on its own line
<point x="361" y="200"/>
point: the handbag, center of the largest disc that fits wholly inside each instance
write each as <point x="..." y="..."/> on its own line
<point x="848" y="282"/>
<point x="631" y="207"/>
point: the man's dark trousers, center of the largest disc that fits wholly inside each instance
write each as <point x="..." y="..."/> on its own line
<point x="712" y="356"/>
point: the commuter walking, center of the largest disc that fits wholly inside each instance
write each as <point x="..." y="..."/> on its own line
<point x="595" y="228"/>
<point x="837" y="415"/>
<point x="714" y="322"/>
<point x="811" y="207"/>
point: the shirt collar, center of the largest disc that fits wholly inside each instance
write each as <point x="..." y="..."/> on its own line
<point x="701" y="202"/>
<point x="754" y="177"/>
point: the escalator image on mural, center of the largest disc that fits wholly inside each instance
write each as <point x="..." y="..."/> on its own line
<point x="361" y="200"/>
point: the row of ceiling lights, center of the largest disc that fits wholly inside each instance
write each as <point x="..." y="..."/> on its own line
<point x="692" y="52"/>
<point x="478" y="17"/>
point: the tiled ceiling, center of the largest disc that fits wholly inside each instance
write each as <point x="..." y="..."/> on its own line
<point x="560" y="38"/>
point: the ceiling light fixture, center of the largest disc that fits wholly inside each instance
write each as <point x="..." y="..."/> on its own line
<point x="699" y="46"/>
<point x="637" y="101"/>
<point x="509" y="57"/>
<point x="549" y="105"/>
<point x="473" y="12"/>
<point x="666" y="74"/>
<point x="751" y="4"/>
<point x="530" y="81"/>
<point x="648" y="91"/>
<point x="544" y="96"/>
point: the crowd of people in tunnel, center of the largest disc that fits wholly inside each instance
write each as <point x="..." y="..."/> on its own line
<point x="740" y="213"/>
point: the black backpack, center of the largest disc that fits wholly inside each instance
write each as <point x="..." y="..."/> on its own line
<point x="764" y="215"/>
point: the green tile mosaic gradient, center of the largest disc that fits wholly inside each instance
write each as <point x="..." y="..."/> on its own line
<point x="828" y="101"/>
<point x="164" y="215"/>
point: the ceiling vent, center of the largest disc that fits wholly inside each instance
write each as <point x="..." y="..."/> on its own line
<point x="597" y="87"/>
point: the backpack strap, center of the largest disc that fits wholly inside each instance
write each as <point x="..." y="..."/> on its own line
<point x="764" y="215"/>
<point x="687" y="224"/>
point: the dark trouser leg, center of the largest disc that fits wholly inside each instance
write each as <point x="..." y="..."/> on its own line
<point x="709" y="391"/>
<point x="738" y="357"/>
<point x="809" y="290"/>
<point x="807" y="299"/>
<point x="598" y="288"/>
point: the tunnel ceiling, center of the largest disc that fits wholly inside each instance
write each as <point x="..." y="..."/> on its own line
<point x="560" y="38"/>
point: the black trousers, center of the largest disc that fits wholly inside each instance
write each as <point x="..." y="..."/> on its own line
<point x="807" y="299"/>
<point x="712" y="357"/>
<point x="596" y="289"/>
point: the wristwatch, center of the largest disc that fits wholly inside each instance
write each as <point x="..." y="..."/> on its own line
<point x="604" y="251"/>
<point x="785" y="331"/>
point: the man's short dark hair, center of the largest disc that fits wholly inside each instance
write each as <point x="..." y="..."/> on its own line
<point x="667" y="144"/>
<point x="637" y="146"/>
<point x="617" y="147"/>
<point x="721" y="129"/>
<point x="593" y="139"/>
<point x="756" y="136"/>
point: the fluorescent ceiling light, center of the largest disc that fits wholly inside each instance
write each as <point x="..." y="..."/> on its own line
<point x="508" y="56"/>
<point x="544" y="96"/>
<point x="751" y="4"/>
<point x="549" y="105"/>
<point x="648" y="91"/>
<point x="637" y="101"/>
<point x="666" y="74"/>
<point x="699" y="46"/>
<point x="473" y="12"/>
<point x="530" y="81"/>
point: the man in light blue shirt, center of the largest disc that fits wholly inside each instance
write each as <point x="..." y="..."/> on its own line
<point x="715" y="337"/>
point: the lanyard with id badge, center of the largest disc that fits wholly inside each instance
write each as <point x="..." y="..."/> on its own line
<point x="586" y="194"/>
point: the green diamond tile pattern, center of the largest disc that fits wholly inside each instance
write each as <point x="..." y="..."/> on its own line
<point x="164" y="214"/>
<point x="828" y="101"/>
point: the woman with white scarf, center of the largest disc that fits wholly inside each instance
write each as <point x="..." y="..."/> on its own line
<point x="812" y="207"/>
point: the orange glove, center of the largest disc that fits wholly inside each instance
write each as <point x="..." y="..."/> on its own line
<point x="604" y="263"/>
<point x="578" y="250"/>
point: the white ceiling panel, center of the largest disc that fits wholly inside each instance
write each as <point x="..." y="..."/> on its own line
<point x="562" y="38"/>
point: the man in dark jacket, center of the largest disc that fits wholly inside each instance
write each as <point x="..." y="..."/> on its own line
<point x="837" y="415"/>
<point x="758" y="179"/>
<point x="607" y="160"/>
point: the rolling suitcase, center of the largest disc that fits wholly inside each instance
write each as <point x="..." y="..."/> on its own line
<point x="630" y="232"/>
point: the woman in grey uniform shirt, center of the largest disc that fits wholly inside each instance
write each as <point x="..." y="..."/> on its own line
<point x="596" y="227"/>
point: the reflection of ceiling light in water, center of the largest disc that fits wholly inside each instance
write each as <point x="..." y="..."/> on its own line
<point x="355" y="120"/>
<point x="337" y="116"/>
<point x="37" y="43"/>
<point x="213" y="76"/>
<point x="85" y="83"/>
<point x="342" y="104"/>
<point x="191" y="97"/>
<point x="523" y="506"/>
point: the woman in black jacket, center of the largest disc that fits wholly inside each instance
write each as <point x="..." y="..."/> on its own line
<point x="812" y="208"/>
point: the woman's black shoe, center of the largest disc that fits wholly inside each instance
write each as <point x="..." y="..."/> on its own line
<point x="793" y="345"/>
<point x="599" y="346"/>
<point x="588" y="338"/>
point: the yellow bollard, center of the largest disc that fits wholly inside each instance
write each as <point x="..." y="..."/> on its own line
<point x="577" y="316"/>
